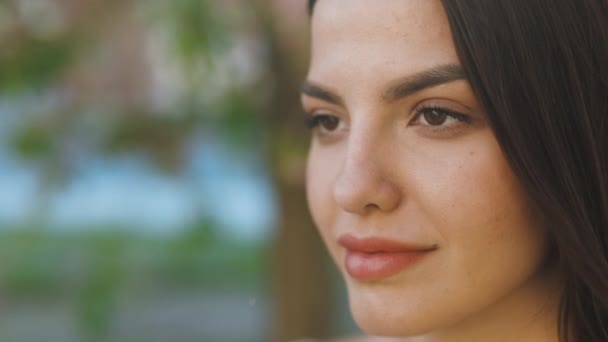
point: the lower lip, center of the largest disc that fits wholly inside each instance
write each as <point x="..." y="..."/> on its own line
<point x="375" y="266"/>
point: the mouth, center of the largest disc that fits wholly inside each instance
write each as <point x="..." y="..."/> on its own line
<point x="376" y="258"/>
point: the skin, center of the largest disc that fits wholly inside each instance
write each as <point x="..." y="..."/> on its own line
<point x="381" y="168"/>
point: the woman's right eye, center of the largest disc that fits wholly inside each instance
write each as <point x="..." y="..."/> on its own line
<point x="323" y="123"/>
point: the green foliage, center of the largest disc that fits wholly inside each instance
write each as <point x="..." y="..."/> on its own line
<point x="93" y="272"/>
<point x="102" y="283"/>
<point x="199" y="257"/>
<point x="31" y="62"/>
<point x="34" y="142"/>
<point x="161" y="137"/>
<point x="196" y="238"/>
<point x="240" y="121"/>
<point x="42" y="263"/>
<point x="197" y="30"/>
<point x="27" y="266"/>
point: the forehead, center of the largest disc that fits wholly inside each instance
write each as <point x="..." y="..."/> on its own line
<point x="379" y="37"/>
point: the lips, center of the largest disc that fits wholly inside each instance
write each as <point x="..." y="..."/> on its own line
<point x="376" y="258"/>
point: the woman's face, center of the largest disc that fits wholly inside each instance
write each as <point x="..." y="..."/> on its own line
<point x="402" y="152"/>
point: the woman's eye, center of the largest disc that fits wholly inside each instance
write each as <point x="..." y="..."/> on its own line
<point x="438" y="117"/>
<point x="434" y="117"/>
<point x="440" y="122"/>
<point x="324" y="122"/>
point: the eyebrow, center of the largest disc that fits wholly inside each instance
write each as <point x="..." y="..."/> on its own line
<point x="313" y="90"/>
<point x="398" y="89"/>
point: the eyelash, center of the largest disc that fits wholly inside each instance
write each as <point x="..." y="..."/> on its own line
<point x="449" y="113"/>
<point x="314" y="121"/>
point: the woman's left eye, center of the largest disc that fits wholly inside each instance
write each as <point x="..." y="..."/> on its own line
<point x="436" y="117"/>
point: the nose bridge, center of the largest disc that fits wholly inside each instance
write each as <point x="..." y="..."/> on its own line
<point x="363" y="149"/>
<point x="366" y="141"/>
<point x="363" y="181"/>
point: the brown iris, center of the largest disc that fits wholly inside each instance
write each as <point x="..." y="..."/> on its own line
<point x="329" y="123"/>
<point x="435" y="117"/>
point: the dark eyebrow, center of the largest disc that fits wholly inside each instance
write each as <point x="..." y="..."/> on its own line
<point x="311" y="89"/>
<point x="399" y="89"/>
<point x="425" y="79"/>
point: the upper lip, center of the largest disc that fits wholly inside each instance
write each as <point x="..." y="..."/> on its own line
<point x="380" y="245"/>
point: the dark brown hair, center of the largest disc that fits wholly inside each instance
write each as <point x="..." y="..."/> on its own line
<point x="540" y="70"/>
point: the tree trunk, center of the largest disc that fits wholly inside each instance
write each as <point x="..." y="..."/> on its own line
<point x="301" y="275"/>
<point x="301" y="282"/>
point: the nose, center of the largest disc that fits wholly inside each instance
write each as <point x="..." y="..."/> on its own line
<point x="363" y="186"/>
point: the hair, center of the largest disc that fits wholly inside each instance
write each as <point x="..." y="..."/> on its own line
<point x="540" y="70"/>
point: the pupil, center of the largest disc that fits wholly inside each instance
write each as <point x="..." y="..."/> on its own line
<point x="329" y="123"/>
<point x="435" y="117"/>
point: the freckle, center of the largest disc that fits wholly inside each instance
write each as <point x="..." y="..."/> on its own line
<point x="472" y="153"/>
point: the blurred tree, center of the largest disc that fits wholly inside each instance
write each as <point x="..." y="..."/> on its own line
<point x="98" y="294"/>
<point x="263" y="114"/>
<point x="304" y="299"/>
<point x="50" y="65"/>
<point x="240" y="67"/>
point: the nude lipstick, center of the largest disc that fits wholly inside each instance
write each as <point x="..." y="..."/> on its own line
<point x="375" y="258"/>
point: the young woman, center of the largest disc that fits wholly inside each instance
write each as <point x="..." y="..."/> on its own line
<point x="458" y="170"/>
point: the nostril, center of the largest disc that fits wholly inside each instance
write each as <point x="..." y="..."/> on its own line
<point x="365" y="192"/>
<point x="371" y="206"/>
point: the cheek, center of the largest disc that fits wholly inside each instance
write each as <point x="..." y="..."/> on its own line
<point x="321" y="172"/>
<point x="466" y="191"/>
<point x="478" y="202"/>
<point x="491" y="241"/>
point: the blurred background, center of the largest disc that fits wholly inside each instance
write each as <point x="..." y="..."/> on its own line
<point x="152" y="174"/>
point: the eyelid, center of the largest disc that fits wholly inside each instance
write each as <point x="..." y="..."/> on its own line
<point x="320" y="108"/>
<point x="455" y="124"/>
<point x="447" y="111"/>
<point x="314" y="124"/>
<point x="316" y="106"/>
<point x="447" y="104"/>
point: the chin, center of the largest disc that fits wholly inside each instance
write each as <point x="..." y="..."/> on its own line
<point x="381" y="314"/>
<point x="384" y="324"/>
